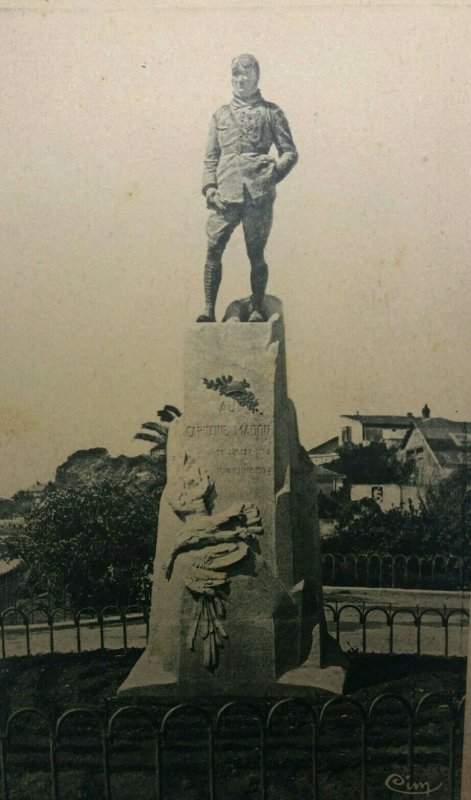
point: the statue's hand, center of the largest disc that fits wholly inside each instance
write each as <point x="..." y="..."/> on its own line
<point x="264" y="161"/>
<point x="213" y="199"/>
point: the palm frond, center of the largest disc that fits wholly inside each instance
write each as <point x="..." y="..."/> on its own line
<point x="148" y="437"/>
<point x="157" y="427"/>
<point x="173" y="410"/>
<point x="168" y="413"/>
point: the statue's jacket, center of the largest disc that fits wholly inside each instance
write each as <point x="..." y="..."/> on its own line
<point x="239" y="135"/>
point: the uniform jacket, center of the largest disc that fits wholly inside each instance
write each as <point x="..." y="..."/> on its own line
<point x="240" y="133"/>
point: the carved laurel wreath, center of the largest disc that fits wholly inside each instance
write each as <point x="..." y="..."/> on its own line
<point x="237" y="390"/>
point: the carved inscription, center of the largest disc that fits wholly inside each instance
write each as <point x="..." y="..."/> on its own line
<point x="238" y="430"/>
<point x="234" y="452"/>
<point x="250" y="470"/>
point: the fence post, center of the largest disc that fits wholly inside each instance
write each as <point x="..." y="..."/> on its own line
<point x="212" y="777"/>
<point x="28" y="648"/>
<point x="53" y="762"/>
<point x="3" y="761"/>
<point x="50" y="621"/>
<point x="417" y="622"/>
<point x="158" y="765"/>
<point x="125" y="632"/>
<point x="106" y="763"/>
<point x="390" y="619"/>
<point x="364" y="758"/>
<point x="263" y="762"/>
<point x="2" y="628"/>
<point x="445" y="625"/>
<point x="410" y="748"/>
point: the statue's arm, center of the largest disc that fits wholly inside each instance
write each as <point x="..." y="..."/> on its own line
<point x="211" y="160"/>
<point x="284" y="143"/>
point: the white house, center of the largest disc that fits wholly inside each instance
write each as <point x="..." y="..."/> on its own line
<point x="364" y="429"/>
<point x="367" y="428"/>
<point x="438" y="447"/>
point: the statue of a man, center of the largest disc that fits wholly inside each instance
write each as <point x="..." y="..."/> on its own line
<point x="239" y="180"/>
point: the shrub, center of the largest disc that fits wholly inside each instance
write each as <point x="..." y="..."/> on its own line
<point x="95" y="539"/>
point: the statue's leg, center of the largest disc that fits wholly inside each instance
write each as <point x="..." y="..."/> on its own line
<point x="257" y="221"/>
<point x="219" y="230"/>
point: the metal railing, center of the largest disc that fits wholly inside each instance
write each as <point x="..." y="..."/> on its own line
<point x="365" y="628"/>
<point x="364" y="619"/>
<point x="382" y="570"/>
<point x="290" y="748"/>
<point x="396" y="571"/>
<point x="73" y="626"/>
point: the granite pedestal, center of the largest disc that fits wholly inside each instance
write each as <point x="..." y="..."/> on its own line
<point x="237" y="606"/>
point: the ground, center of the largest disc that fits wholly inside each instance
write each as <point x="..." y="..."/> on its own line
<point x="54" y="683"/>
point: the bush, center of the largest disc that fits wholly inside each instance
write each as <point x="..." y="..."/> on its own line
<point x="363" y="527"/>
<point x="442" y="525"/>
<point x="96" y="540"/>
<point x="373" y="463"/>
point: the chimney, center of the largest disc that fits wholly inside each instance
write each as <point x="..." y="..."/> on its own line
<point x="425" y="412"/>
<point x="410" y="414"/>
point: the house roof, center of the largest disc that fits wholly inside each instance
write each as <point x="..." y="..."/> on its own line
<point x="330" y="446"/>
<point x="383" y="420"/>
<point x="450" y="441"/>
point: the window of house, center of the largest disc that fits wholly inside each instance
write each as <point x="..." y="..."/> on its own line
<point x="347" y="435"/>
<point x="372" y="434"/>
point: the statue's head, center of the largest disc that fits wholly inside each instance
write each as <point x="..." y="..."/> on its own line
<point x="245" y="75"/>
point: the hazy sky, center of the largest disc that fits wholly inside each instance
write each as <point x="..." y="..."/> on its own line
<point x="104" y="114"/>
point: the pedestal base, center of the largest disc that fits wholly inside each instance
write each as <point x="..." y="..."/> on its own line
<point x="149" y="679"/>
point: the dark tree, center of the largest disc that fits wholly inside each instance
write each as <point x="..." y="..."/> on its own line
<point x="447" y="513"/>
<point x="442" y="525"/>
<point x="363" y="527"/>
<point x="372" y="463"/>
<point x="96" y="539"/>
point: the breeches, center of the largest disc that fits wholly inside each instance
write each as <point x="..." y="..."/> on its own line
<point x="256" y="217"/>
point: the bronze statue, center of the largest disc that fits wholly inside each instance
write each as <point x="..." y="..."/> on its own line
<point x="239" y="180"/>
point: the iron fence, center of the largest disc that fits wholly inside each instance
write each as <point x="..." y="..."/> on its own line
<point x="445" y="629"/>
<point x="385" y="570"/>
<point x="107" y="628"/>
<point x="382" y="570"/>
<point x="342" y="748"/>
<point x="362" y="627"/>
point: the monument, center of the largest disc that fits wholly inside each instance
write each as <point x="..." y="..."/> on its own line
<point x="237" y="605"/>
<point x="237" y="602"/>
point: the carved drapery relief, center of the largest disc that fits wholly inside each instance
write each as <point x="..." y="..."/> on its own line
<point x="217" y="543"/>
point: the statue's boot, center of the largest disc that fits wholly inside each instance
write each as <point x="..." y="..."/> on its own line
<point x="256" y="313"/>
<point x="212" y="280"/>
<point x="205" y="317"/>
<point x="258" y="281"/>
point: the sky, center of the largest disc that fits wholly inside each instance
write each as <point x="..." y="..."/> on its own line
<point x="105" y="110"/>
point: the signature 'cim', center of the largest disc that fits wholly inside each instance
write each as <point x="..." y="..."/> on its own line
<point x="404" y="785"/>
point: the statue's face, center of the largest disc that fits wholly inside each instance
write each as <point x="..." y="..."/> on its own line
<point x="244" y="81"/>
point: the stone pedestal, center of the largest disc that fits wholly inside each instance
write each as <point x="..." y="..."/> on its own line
<point x="237" y="595"/>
